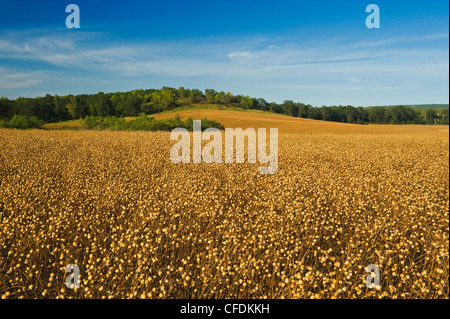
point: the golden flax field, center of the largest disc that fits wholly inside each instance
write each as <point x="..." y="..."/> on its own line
<point x="139" y="226"/>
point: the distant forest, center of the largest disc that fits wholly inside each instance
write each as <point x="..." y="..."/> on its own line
<point x="55" y="108"/>
<point x="428" y="106"/>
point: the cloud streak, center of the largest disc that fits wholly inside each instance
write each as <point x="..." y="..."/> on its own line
<point x="11" y="79"/>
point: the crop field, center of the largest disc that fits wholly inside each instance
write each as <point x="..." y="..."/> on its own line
<point x="140" y="226"/>
<point x="296" y="125"/>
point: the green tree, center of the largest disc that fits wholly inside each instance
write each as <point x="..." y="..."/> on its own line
<point x="377" y="115"/>
<point x="168" y="99"/>
<point x="362" y="115"/>
<point x="430" y="116"/>
<point x="195" y="96"/>
<point x="351" y="114"/>
<point x="246" y="102"/>
<point x="290" y="108"/>
<point x="160" y="101"/>
<point x="4" y="107"/>
<point x="131" y="104"/>
<point x="182" y="92"/>
<point x="210" y="95"/>
<point x="262" y="104"/>
<point x="102" y="105"/>
<point x="74" y="108"/>
<point x="23" y="106"/>
<point x="303" y="110"/>
<point x="61" y="111"/>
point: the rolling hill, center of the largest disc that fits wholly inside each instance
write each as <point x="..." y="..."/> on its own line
<point x="287" y="124"/>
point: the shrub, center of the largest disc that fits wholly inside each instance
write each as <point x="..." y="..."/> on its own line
<point x="25" y="122"/>
<point x="143" y="123"/>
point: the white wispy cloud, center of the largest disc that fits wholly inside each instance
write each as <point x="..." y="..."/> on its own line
<point x="238" y="54"/>
<point x="11" y="79"/>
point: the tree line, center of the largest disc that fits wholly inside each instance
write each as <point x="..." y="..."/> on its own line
<point x="55" y="108"/>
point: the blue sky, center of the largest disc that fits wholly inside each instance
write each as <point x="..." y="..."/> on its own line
<point x="317" y="52"/>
